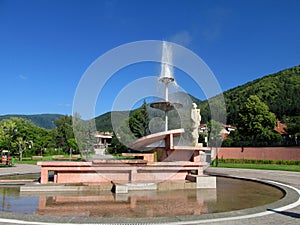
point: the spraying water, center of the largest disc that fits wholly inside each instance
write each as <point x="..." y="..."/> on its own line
<point x="166" y="74"/>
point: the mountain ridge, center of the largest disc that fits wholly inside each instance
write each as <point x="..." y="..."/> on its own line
<point x="45" y="120"/>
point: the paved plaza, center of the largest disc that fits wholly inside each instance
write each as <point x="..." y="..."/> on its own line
<point x="290" y="216"/>
<point x="20" y="169"/>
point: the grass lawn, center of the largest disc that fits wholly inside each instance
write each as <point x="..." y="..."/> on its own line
<point x="32" y="161"/>
<point x="295" y="168"/>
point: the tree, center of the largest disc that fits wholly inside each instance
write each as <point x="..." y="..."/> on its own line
<point x="72" y="146"/>
<point x="64" y="131"/>
<point x="215" y="129"/>
<point x="84" y="131"/>
<point x="232" y="140"/>
<point x="23" y="144"/>
<point x="123" y="137"/>
<point x="118" y="143"/>
<point x="139" y="121"/>
<point x="8" y="131"/>
<point x="215" y="138"/>
<point x="293" y="129"/>
<point x="255" y="121"/>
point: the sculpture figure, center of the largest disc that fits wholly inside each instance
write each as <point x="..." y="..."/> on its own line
<point x="195" y="122"/>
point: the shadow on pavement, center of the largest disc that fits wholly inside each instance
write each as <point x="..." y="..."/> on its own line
<point x="290" y="214"/>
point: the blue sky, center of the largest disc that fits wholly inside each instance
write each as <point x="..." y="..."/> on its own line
<point x="46" y="46"/>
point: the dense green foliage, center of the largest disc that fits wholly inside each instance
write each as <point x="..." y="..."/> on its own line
<point x="279" y="91"/>
<point x="293" y="125"/>
<point x="139" y="121"/>
<point x="21" y="136"/>
<point x="214" y="128"/>
<point x="255" y="122"/>
<point x="63" y="133"/>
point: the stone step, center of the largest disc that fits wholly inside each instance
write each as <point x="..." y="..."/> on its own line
<point x="123" y="188"/>
<point x="203" y="181"/>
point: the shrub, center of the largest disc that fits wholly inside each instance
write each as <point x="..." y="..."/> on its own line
<point x="260" y="161"/>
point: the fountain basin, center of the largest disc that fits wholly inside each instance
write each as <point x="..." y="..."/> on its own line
<point x="159" y="205"/>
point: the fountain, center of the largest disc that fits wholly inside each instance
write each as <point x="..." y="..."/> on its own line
<point x="183" y="163"/>
<point x="87" y="185"/>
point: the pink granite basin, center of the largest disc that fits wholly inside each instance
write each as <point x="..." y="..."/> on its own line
<point x="162" y="203"/>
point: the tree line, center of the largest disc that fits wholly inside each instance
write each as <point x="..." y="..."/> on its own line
<point x="21" y="136"/>
<point x="255" y="127"/>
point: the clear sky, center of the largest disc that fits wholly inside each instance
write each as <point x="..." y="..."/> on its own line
<point x="46" y="46"/>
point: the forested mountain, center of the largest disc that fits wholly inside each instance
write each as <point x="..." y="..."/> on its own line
<point x="103" y="122"/>
<point x="42" y="120"/>
<point x="280" y="91"/>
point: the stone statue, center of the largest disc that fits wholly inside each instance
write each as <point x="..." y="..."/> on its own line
<point x="195" y="122"/>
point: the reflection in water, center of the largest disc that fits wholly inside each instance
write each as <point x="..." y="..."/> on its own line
<point x="134" y="204"/>
<point x="231" y="194"/>
<point x="11" y="201"/>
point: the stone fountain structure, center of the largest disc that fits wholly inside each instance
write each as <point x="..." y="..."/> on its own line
<point x="184" y="163"/>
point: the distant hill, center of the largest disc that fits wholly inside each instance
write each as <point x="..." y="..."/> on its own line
<point x="280" y="91"/>
<point x="103" y="122"/>
<point x="42" y="120"/>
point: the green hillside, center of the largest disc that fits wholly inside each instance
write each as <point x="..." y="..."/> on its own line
<point x="42" y="120"/>
<point x="103" y="122"/>
<point x="280" y="91"/>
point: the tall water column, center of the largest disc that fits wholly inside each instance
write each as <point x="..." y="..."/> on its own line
<point x="167" y="77"/>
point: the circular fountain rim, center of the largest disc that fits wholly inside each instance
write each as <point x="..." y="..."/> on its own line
<point x="290" y="200"/>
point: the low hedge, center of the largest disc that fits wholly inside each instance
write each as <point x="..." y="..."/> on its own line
<point x="260" y="161"/>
